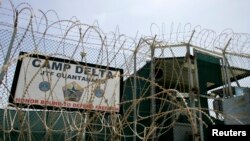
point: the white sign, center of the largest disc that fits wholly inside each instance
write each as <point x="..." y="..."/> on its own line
<point x="63" y="83"/>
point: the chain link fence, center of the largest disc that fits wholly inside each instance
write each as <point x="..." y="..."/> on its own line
<point x="172" y="84"/>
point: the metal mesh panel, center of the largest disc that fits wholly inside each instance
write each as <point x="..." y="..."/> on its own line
<point x="160" y="99"/>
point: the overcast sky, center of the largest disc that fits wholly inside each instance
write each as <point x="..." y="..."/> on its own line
<point x="134" y="16"/>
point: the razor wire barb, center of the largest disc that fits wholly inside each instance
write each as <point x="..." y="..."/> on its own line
<point x="23" y="30"/>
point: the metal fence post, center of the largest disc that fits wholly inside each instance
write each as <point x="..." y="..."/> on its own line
<point x="191" y="91"/>
<point x="152" y="79"/>
<point x="135" y="93"/>
<point x="7" y="57"/>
